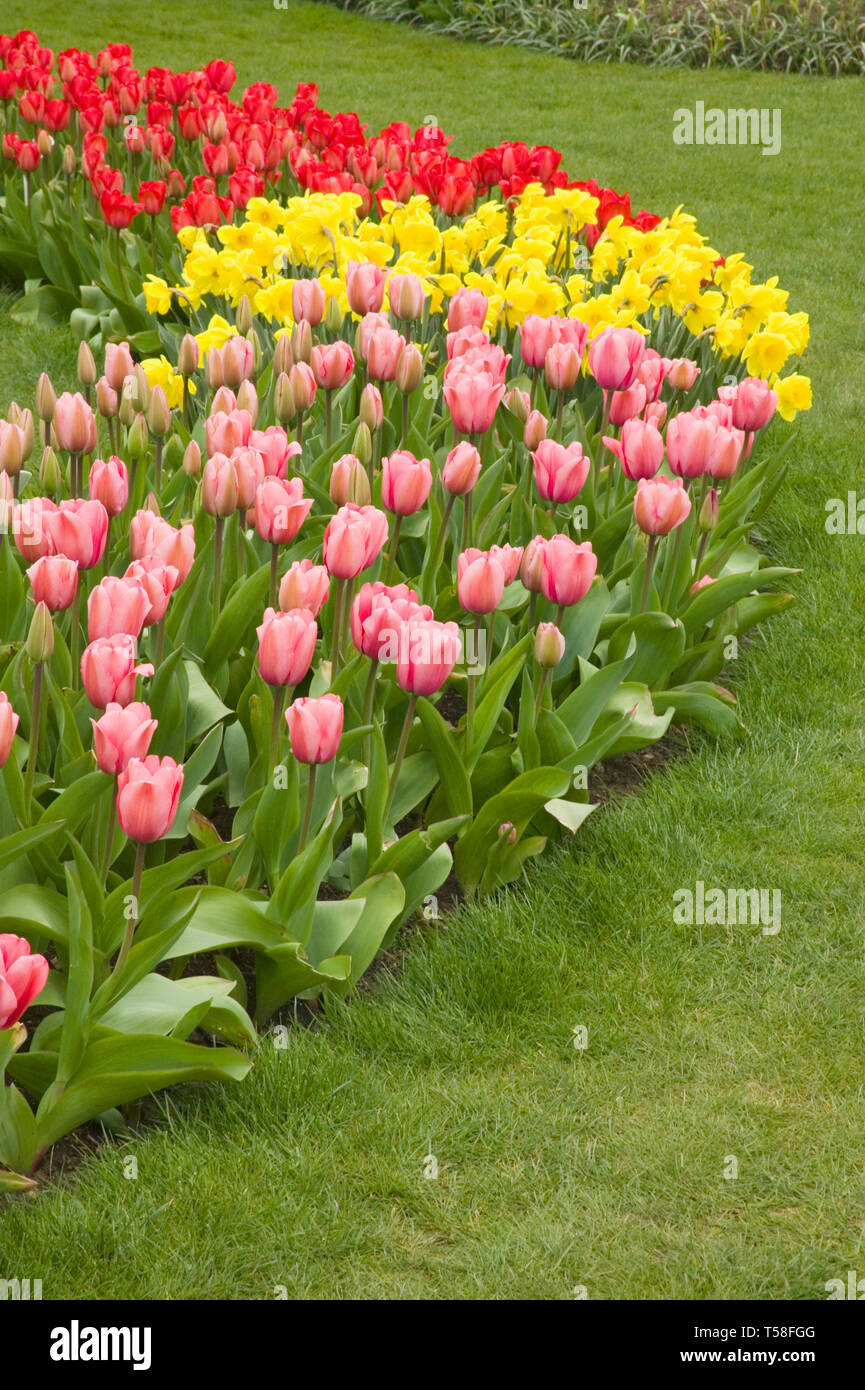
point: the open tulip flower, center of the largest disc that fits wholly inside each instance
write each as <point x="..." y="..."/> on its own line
<point x="478" y="516"/>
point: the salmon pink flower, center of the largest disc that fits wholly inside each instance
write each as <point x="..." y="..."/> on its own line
<point x="148" y="795"/>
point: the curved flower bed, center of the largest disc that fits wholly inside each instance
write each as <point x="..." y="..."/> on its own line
<point x="412" y="521"/>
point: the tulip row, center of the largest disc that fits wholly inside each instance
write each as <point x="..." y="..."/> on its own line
<point x="89" y="143"/>
<point x="284" y="674"/>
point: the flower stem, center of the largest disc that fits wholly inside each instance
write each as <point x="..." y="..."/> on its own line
<point x="160" y="641"/>
<point x="400" y="754"/>
<point x="217" y="565"/>
<point x="132" y="922"/>
<point x="647" y="577"/>
<point x="392" y="548"/>
<point x="337" y="624"/>
<point x="440" y="538"/>
<point x="108" y="850"/>
<point x="35" y="723"/>
<point x="274" y="574"/>
<point x="472" y="685"/>
<point x="75" y="634"/>
<point x="279" y="693"/>
<point x="307" y="814"/>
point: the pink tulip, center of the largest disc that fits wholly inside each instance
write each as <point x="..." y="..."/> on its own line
<point x="219" y="491"/>
<point x="567" y="570"/>
<point x="227" y="431"/>
<point x="304" y="585"/>
<point x="307" y="301"/>
<point x="238" y="361"/>
<point x="11" y="448"/>
<point x="117" y="606"/>
<point x="532" y="565"/>
<point x="286" y="644"/>
<point x="123" y="732"/>
<point x="383" y="351"/>
<point x="118" y="365"/>
<point x="8" y="725"/>
<point x="406" y="296"/>
<point x="653" y="370"/>
<point x="22" y="977"/>
<point x="108" y="483"/>
<point x="509" y="557"/>
<point x="377" y="615"/>
<point x="615" y="358"/>
<point x="428" y="652"/>
<point x="369" y="325"/>
<point x="31" y="528"/>
<point x="534" y="430"/>
<point x="655" y="414"/>
<point x="53" y="580"/>
<point x="248" y="468"/>
<point x="689" y="444"/>
<point x="303" y="387"/>
<point x="466" y="340"/>
<point x="562" y="366"/>
<point x="280" y="509"/>
<point x="74" y="424"/>
<point x="462" y="469"/>
<point x="371" y="407"/>
<point x="332" y="365"/>
<point x="315" y="727"/>
<point x="158" y="581"/>
<point x="682" y="373"/>
<point x="660" y="505"/>
<point x="467" y="309"/>
<point x="725" y="452"/>
<point x="79" y="530"/>
<point x="537" y="336"/>
<point x="275" y="448"/>
<point x="641" y="449"/>
<point x="472" y="396"/>
<point x="353" y="539"/>
<point x="627" y="405"/>
<point x="480" y="581"/>
<point x="753" y="403"/>
<point x="109" y="672"/>
<point x="560" y="471"/>
<point x="149" y="536"/>
<point x="148" y="795"/>
<point x="405" y="482"/>
<point x="364" y="286"/>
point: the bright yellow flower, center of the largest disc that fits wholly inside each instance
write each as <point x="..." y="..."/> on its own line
<point x="794" y="394"/>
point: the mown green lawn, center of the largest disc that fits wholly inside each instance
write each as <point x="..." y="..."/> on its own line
<point x="558" y="1168"/>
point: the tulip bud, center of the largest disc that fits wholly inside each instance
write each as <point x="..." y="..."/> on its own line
<point x="158" y="414"/>
<point x="24" y="420"/>
<point x="70" y="163"/>
<point x="46" y="398"/>
<point x="301" y="341"/>
<point x="126" y="411"/>
<point x="50" y="475"/>
<point x="223" y="402"/>
<point x="136" y="442"/>
<point x="409" y="369"/>
<point x="517" y="402"/>
<point x="708" y="518"/>
<point x="243" y="317"/>
<point x="534" y="431"/>
<point x="40" y="638"/>
<point x="371" y="409"/>
<point x="106" y="399"/>
<point x="192" y="460"/>
<point x="189" y="355"/>
<point x="86" y="365"/>
<point x="283" y="399"/>
<point x="283" y="357"/>
<point x="214" y="374"/>
<point x="11" y="450"/>
<point x="362" y="446"/>
<point x="549" y="645"/>
<point x="508" y="832"/>
<point x="143" y="386"/>
<point x="173" y="454"/>
<point x="151" y="504"/>
<point x="247" y="399"/>
<point x="333" y="316"/>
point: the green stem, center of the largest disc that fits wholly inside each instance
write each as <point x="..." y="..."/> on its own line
<point x="337" y="624"/>
<point x="467" y="521"/>
<point x="160" y="641"/>
<point x="217" y="566"/>
<point x="542" y="685"/>
<point x="369" y="692"/>
<point x="108" y="849"/>
<point x="75" y="634"/>
<point x="647" y="578"/>
<point x="132" y="923"/>
<point x="35" y="724"/>
<point x="158" y="464"/>
<point x="472" y="686"/>
<point x="405" y="420"/>
<point x="274" y="574"/>
<point x="279" y="694"/>
<point x="440" y="538"/>
<point x="400" y="754"/>
<point x="328" y="418"/>
<point x="671" y="576"/>
<point x="392" y="548"/>
<point x="307" y="814"/>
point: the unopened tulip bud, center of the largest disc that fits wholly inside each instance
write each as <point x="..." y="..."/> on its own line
<point x="349" y="482"/>
<point x="24" y="420"/>
<point x="50" y="475"/>
<point x="534" y="431"/>
<point x="301" y="342"/>
<point x="137" y="439"/>
<point x="283" y="399"/>
<point x="252" y="337"/>
<point x="172" y="456"/>
<point x="214" y="374"/>
<point x="283" y="357"/>
<point x="126" y="411"/>
<point x="409" y="369"/>
<point x="189" y="355"/>
<point x="362" y="445"/>
<point x="247" y="399"/>
<point x="333" y="316"/>
<point x="86" y="365"/>
<point x="46" y="398"/>
<point x="708" y="518"/>
<point x="243" y="317"/>
<point x="144" y="392"/>
<point x="517" y="402"/>
<point x="192" y="460"/>
<point x="70" y="163"/>
<point x="40" y="638"/>
<point x="11" y="448"/>
<point x="223" y="402"/>
<point x="44" y="143"/>
<point x="508" y="832"/>
<point x="106" y="399"/>
<point x="549" y="646"/>
<point x="371" y="408"/>
<point x="151" y="504"/>
<point x="158" y="414"/>
<point x="302" y="385"/>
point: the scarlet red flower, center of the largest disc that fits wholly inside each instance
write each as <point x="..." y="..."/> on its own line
<point x="119" y="209"/>
<point x="151" y="194"/>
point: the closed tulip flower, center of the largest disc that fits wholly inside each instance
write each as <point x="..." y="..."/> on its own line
<point x="560" y="470"/>
<point x="753" y="403"/>
<point x="332" y="365"/>
<point x="682" y="373"/>
<point x="123" y="732"/>
<point x="406" y="296"/>
<point x="549" y="646"/>
<point x="108" y="483"/>
<point x="286" y="643"/>
<point x="238" y="361"/>
<point x="307" y="301"/>
<point x="249" y="471"/>
<point x="280" y="509"/>
<point x="537" y="336"/>
<point x="226" y="431"/>
<point x="79" y="529"/>
<point x="276" y="450"/>
<point x="74" y="424"/>
<point x="117" y="606"/>
<point x="660" y="505"/>
<point x="640" y="449"/>
<point x="150" y="535"/>
<point x="510" y="559"/>
<point x="353" y="539"/>
<point x="562" y="366"/>
<point x="462" y="469"/>
<point x="31" y="528"/>
<point x="219" y="489"/>
<point x="22" y="977"/>
<point x="364" y="287"/>
<point x="118" y="365"/>
<point x="303" y="386"/>
<point x="567" y="570"/>
<point x="689" y="444"/>
<point x="109" y="670"/>
<point x="472" y="395"/>
<point x="304" y="585"/>
<point x="428" y="652"/>
<point x="53" y="580"/>
<point x="653" y="370"/>
<point x="467" y="309"/>
<point x="627" y="405"/>
<point x="725" y="452"/>
<point x="480" y="581"/>
<point x="315" y="728"/>
<point x="377" y="615"/>
<point x="349" y="481"/>
<point x="158" y="581"/>
<point x="534" y="430"/>
<point x="405" y="482"/>
<point x="8" y="725"/>
<point x="371" y="407"/>
<point x="532" y="564"/>
<point x="148" y="795"/>
<point x="369" y="325"/>
<point x="11" y="448"/>
<point x="383" y="351"/>
<point x="615" y="358"/>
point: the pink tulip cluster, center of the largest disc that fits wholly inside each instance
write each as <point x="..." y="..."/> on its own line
<point x="474" y="379"/>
